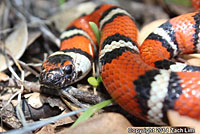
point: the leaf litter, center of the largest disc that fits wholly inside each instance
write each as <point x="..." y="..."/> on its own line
<point x="29" y="31"/>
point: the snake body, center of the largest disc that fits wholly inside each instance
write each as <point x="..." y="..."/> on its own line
<point x="130" y="72"/>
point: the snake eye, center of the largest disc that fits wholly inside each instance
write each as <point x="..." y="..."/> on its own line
<point x="68" y="69"/>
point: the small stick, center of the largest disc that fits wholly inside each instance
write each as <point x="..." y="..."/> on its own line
<point x="71" y="98"/>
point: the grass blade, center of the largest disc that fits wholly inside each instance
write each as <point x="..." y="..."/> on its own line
<point x="90" y="111"/>
<point x="95" y="30"/>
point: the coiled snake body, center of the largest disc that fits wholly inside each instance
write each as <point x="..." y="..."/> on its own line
<point x="130" y="73"/>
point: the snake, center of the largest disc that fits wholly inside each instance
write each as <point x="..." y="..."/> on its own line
<point x="142" y="79"/>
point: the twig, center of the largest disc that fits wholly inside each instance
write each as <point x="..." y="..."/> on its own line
<point x="93" y="73"/>
<point x="38" y="21"/>
<point x="28" y="68"/>
<point x="5" y="31"/>
<point x="5" y="51"/>
<point x="38" y="124"/>
<point x="50" y="35"/>
<point x="29" y="86"/>
<point x="76" y="93"/>
<point x="10" y="99"/>
<point x="19" y="112"/>
<point x="34" y="64"/>
<point x="71" y="98"/>
<point x="84" y="96"/>
<point x="5" y="16"/>
<point x="70" y="105"/>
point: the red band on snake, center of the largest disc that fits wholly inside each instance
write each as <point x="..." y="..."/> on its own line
<point x="130" y="73"/>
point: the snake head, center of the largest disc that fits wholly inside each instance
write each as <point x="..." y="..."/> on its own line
<point x="62" y="69"/>
<point x="57" y="71"/>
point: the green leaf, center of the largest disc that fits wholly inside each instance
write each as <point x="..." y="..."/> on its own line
<point x="95" y="30"/>
<point x="99" y="79"/>
<point x="88" y="113"/>
<point x="92" y="81"/>
<point x="180" y="2"/>
<point x="61" y="2"/>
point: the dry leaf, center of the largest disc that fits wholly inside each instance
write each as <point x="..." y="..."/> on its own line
<point x="55" y="102"/>
<point x="8" y="116"/>
<point x="27" y="95"/>
<point x="71" y="105"/>
<point x="3" y="77"/>
<point x="176" y="119"/>
<point x="83" y="87"/>
<point x="8" y="93"/>
<point x="65" y="120"/>
<point x="149" y="28"/>
<point x="48" y="129"/>
<point x="14" y="103"/>
<point x="3" y="9"/>
<point x="33" y="35"/>
<point x="16" y="42"/>
<point x="193" y="61"/>
<point x="190" y="56"/>
<point x="63" y="18"/>
<point x="35" y="100"/>
<point x="6" y="96"/>
<point x="2" y="129"/>
<point x="107" y="123"/>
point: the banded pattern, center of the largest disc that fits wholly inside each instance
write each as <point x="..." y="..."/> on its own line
<point x="168" y="40"/>
<point x="155" y="102"/>
<point x="175" y="66"/>
<point x="165" y="34"/>
<point x="113" y="46"/>
<point x="72" y="32"/>
<point x="129" y="72"/>
<point x="110" y="14"/>
<point x="197" y="32"/>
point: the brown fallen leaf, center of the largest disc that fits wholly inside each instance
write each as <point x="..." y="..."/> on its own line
<point x="3" y="77"/>
<point x="8" y="116"/>
<point x="7" y="92"/>
<point x="176" y="119"/>
<point x="48" y="129"/>
<point x="55" y="102"/>
<point x="189" y="56"/>
<point x="71" y="105"/>
<point x="33" y="114"/>
<point x="56" y="126"/>
<point x="16" y="43"/>
<point x="61" y="124"/>
<point x="66" y="120"/>
<point x="107" y="123"/>
<point x="37" y="100"/>
<point x="3" y="17"/>
<point x="193" y="61"/>
<point x="190" y="59"/>
<point x="6" y="96"/>
<point x="33" y="35"/>
<point x="2" y="129"/>
<point x="149" y="28"/>
<point x="63" y="18"/>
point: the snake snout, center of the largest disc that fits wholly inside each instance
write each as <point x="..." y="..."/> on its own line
<point x="57" y="78"/>
<point x="52" y="79"/>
